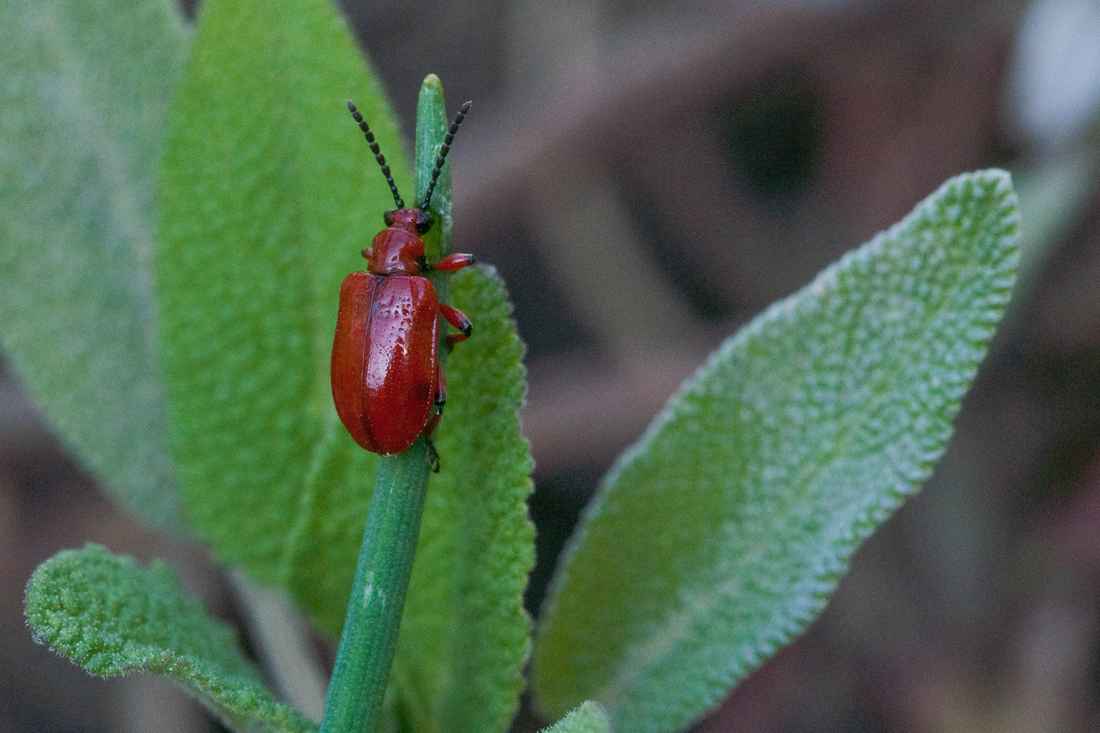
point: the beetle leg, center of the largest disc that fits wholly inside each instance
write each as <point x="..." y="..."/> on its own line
<point x="368" y="252"/>
<point x="450" y="263"/>
<point x="438" y="402"/>
<point x="441" y="396"/>
<point x="458" y="319"/>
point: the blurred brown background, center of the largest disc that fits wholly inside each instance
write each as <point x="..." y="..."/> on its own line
<point x="715" y="156"/>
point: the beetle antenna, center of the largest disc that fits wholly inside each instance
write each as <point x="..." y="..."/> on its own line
<point x="450" y="138"/>
<point x="378" y="153"/>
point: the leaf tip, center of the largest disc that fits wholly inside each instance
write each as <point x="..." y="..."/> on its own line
<point x="433" y="82"/>
<point x="590" y="717"/>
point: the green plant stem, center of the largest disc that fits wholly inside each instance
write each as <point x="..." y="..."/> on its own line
<point x="367" y="644"/>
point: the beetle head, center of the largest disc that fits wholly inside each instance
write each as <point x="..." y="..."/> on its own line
<point x="418" y="221"/>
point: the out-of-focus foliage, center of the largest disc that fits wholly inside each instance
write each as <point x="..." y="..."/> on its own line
<point x="85" y="89"/>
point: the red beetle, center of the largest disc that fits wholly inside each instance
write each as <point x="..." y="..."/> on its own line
<point x="386" y="379"/>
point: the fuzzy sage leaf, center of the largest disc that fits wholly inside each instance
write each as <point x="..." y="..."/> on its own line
<point x="465" y="636"/>
<point x="84" y="90"/>
<point x="721" y="534"/>
<point x="266" y="205"/>
<point x="588" y="718"/>
<point x="112" y="617"/>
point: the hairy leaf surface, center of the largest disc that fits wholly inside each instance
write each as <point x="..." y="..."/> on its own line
<point x="84" y="90"/>
<point x="465" y="636"/>
<point x="269" y="195"/>
<point x="722" y="533"/>
<point x="588" y="718"/>
<point x="112" y="617"/>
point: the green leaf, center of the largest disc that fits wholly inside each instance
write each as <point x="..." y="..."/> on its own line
<point x="84" y="89"/>
<point x="270" y="192"/>
<point x="431" y="128"/>
<point x="112" y="617"/>
<point x="721" y="534"/>
<point x="321" y="549"/>
<point x="465" y="636"/>
<point x="588" y="718"/>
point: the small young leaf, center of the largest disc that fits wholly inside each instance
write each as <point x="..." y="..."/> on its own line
<point x="112" y="617"/>
<point x="270" y="192"/>
<point x="84" y="90"/>
<point x="721" y="534"/>
<point x="431" y="128"/>
<point x="588" y="718"/>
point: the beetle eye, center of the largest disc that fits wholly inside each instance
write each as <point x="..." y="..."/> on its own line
<point x="424" y="221"/>
<point x="388" y="217"/>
